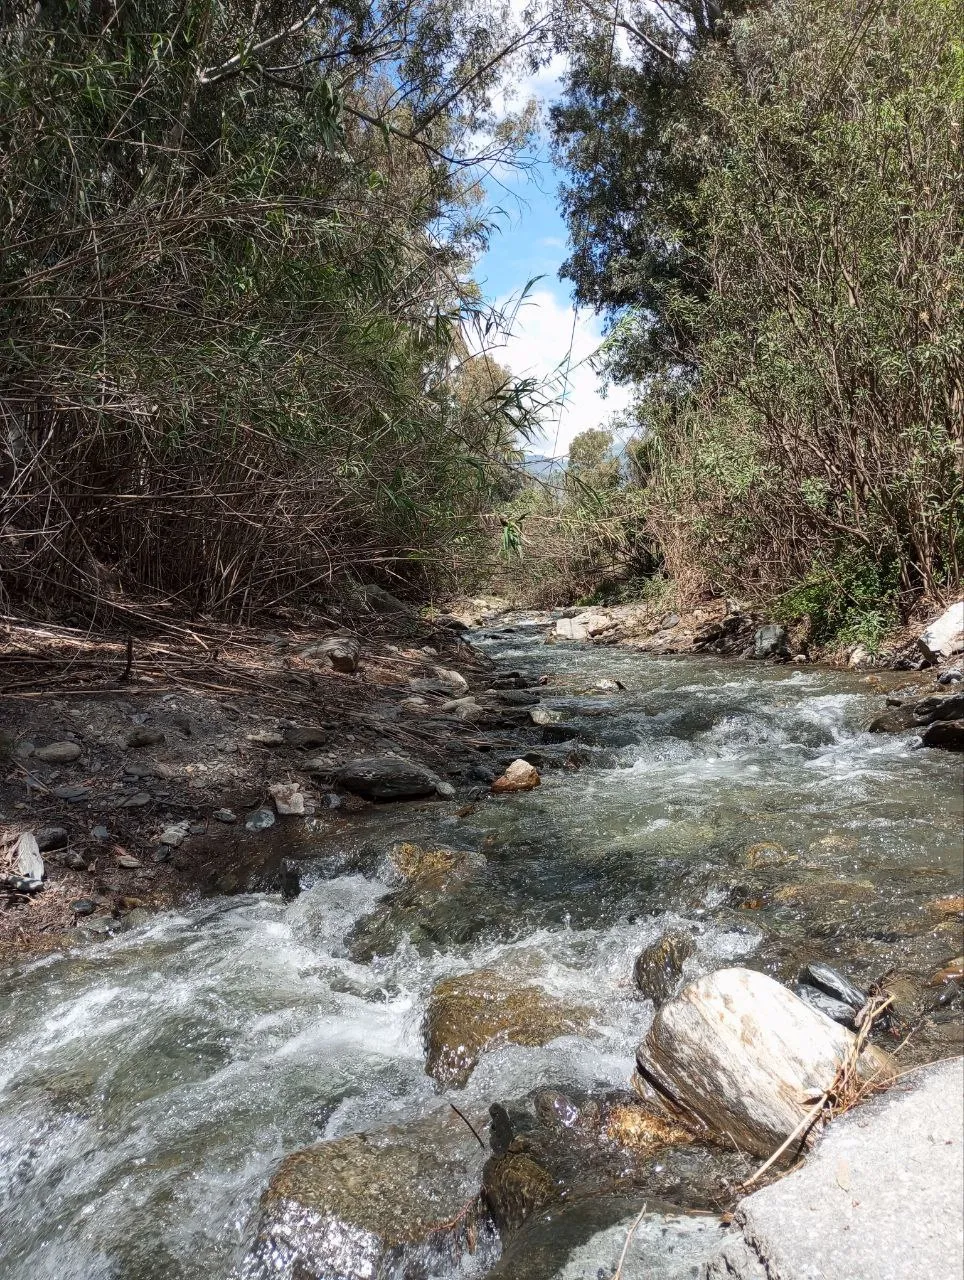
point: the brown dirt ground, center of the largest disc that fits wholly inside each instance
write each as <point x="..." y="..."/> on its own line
<point x="210" y="691"/>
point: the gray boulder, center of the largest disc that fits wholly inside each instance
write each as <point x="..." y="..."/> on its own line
<point x="879" y="1199"/>
<point x="945" y="636"/>
<point x="387" y="778"/>
<point x="771" y="641"/>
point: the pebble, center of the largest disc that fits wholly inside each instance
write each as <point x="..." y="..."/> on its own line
<point x="224" y="815"/>
<point x="162" y="853"/>
<point x="260" y="820"/>
<point x="144" y="738"/>
<point x="174" y="834"/>
<point x="100" y="833"/>
<point x="83" y="907"/>
<point x="49" y="838"/>
<point x="71" y="859"/>
<point x="136" y="801"/>
<point x="58" y="753"/>
<point x="288" y="798"/>
<point x="71" y="794"/>
<point x="128" y="862"/>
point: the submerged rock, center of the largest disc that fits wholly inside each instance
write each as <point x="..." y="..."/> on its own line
<point x="474" y="1012"/>
<point x="401" y="1202"/>
<point x="658" y="970"/>
<point x="737" y="1056"/>
<point x="427" y="910"/>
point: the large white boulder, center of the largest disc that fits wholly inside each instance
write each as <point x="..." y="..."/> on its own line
<point x="743" y="1059"/>
<point x="945" y="637"/>
<point x="584" y="626"/>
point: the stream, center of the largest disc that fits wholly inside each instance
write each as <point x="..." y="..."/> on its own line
<point x="150" y="1083"/>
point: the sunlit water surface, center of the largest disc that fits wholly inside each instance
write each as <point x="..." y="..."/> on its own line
<point x="150" y="1083"/>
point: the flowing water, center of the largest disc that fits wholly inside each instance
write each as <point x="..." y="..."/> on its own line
<point x="150" y="1083"/>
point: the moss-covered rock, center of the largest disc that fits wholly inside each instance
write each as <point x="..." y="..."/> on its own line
<point x="401" y="1201"/>
<point x="474" y="1012"/>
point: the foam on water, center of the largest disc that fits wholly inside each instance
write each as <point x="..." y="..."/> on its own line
<point x="150" y="1083"/>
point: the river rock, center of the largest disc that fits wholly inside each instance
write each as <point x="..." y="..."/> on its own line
<point x="289" y="799"/>
<point x="894" y="720"/>
<point x="474" y="1012"/>
<point x="401" y="1202"/>
<point x="141" y="737"/>
<point x="879" y="1198"/>
<point x="427" y="910"/>
<point x="58" y="752"/>
<point x="385" y="778"/>
<point x="50" y="838"/>
<point x="944" y="637"/>
<point x="658" y="970"/>
<point x="465" y="709"/>
<point x="584" y="626"/>
<point x="412" y="861"/>
<point x="519" y="776"/>
<point x="545" y="715"/>
<point x="948" y="706"/>
<point x="766" y="853"/>
<point x="771" y="641"/>
<point x="339" y="653"/>
<point x="738" y="1055"/>
<point x="948" y="735"/>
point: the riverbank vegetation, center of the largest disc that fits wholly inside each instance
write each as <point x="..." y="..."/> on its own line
<point x="764" y="201"/>
<point x="244" y="363"/>
<point x="240" y="354"/>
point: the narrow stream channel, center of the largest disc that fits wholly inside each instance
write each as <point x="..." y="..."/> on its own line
<point x="149" y="1084"/>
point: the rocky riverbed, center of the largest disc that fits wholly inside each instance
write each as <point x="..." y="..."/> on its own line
<point x="402" y="1041"/>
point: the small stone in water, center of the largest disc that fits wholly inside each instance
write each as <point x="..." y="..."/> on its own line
<point x="260" y="820"/>
<point x="520" y="776"/>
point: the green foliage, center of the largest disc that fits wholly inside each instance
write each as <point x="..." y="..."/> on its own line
<point x="773" y="229"/>
<point x="234" y="293"/>
<point x="852" y="600"/>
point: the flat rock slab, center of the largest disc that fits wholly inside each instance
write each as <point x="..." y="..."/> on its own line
<point x="879" y="1199"/>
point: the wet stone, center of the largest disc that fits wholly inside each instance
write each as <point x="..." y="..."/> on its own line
<point x="401" y="1201"/>
<point x="472" y="1013"/>
<point x="260" y="820"/>
<point x="658" y="970"/>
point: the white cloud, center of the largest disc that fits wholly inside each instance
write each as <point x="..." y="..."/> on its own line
<point x="537" y="347"/>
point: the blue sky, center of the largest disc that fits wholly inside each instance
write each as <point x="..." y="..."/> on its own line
<point x="532" y="241"/>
